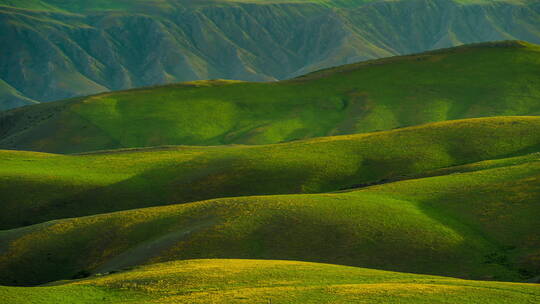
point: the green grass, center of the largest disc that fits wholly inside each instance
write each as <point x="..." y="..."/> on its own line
<point x="259" y="281"/>
<point x="37" y="187"/>
<point x="68" y="294"/>
<point x="480" y="224"/>
<point x="374" y="95"/>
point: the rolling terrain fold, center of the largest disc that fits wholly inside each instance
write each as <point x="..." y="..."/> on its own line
<point x="37" y="187"/>
<point x="479" y="224"/>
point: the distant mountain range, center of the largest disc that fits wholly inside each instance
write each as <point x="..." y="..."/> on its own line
<point x="54" y="49"/>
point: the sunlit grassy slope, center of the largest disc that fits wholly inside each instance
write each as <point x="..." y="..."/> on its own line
<point x="456" y="83"/>
<point x="36" y="187"/>
<point x="258" y="281"/>
<point x="480" y="222"/>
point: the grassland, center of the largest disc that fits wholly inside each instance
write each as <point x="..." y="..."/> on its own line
<point x="480" y="222"/>
<point x="365" y="97"/>
<point x="37" y="187"/>
<point x="171" y="224"/>
<point x="257" y="281"/>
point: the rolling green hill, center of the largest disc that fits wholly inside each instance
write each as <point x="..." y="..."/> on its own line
<point x="58" y="49"/>
<point x="256" y="281"/>
<point x="477" y="221"/>
<point x="37" y="187"/>
<point x="364" y="97"/>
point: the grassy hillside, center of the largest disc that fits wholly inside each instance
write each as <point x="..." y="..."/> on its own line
<point x="36" y="187"/>
<point x="58" y="49"/>
<point x="376" y="95"/>
<point x="480" y="223"/>
<point x="257" y="281"/>
<point x="11" y="98"/>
